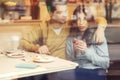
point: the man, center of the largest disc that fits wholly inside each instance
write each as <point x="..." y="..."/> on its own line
<point x="54" y="35"/>
<point x="51" y="38"/>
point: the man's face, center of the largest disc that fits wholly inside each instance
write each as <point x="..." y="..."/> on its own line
<point x="60" y="14"/>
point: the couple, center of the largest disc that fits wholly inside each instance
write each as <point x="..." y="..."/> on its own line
<point x="93" y="58"/>
<point x="51" y="39"/>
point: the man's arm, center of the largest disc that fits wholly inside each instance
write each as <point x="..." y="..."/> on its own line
<point x="102" y="22"/>
<point x="31" y="40"/>
<point x="99" y="33"/>
<point x="26" y="45"/>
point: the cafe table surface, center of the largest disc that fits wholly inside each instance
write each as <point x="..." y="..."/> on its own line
<point x="8" y="69"/>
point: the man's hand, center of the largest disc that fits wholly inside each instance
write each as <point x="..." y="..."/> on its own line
<point x="99" y="35"/>
<point x="44" y="50"/>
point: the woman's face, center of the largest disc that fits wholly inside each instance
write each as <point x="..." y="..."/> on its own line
<point x="82" y="22"/>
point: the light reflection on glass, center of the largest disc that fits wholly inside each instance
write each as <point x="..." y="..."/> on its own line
<point x="15" y="42"/>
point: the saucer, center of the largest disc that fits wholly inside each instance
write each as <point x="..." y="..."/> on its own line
<point x="15" y="55"/>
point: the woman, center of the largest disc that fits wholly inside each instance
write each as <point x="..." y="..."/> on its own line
<point x="93" y="59"/>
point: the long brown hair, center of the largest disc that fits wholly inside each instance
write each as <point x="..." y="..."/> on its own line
<point x="74" y="30"/>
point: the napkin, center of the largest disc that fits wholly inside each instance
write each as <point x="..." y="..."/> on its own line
<point x="26" y="65"/>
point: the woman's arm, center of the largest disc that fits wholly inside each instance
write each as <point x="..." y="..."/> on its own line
<point x="98" y="55"/>
<point x="70" y="54"/>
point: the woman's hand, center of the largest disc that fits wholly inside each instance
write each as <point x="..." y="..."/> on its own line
<point x="43" y="50"/>
<point x="80" y="45"/>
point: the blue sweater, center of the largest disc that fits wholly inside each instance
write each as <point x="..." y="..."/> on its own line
<point x="96" y="56"/>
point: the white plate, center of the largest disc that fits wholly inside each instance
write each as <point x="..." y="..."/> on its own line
<point x="43" y="59"/>
<point x="10" y="51"/>
<point x="15" y="55"/>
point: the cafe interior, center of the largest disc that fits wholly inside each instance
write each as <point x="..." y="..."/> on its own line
<point x="18" y="17"/>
